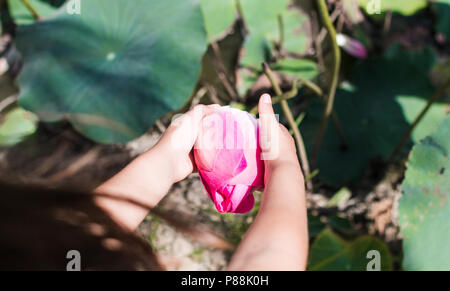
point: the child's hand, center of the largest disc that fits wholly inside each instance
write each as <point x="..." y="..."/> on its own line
<point x="277" y="145"/>
<point x="178" y="140"/>
<point x="148" y="178"/>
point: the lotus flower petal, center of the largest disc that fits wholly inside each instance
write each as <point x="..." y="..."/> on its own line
<point x="227" y="156"/>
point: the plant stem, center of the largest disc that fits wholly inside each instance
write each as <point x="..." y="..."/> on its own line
<point x="298" y="121"/>
<point x="277" y="99"/>
<point x="312" y="175"/>
<point x="325" y="17"/>
<point x="310" y="85"/>
<point x="31" y="8"/>
<point x="291" y="121"/>
<point x="437" y="95"/>
<point x="281" y="28"/>
<point x="318" y="91"/>
<point x="333" y="17"/>
<point x="288" y="95"/>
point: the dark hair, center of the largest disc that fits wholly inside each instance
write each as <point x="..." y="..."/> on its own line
<point x="38" y="227"/>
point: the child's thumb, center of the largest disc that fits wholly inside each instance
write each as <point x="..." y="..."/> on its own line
<point x="268" y="124"/>
<point x="266" y="114"/>
<point x="265" y="105"/>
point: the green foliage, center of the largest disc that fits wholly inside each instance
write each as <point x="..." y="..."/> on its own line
<point x="114" y="69"/>
<point x="15" y="126"/>
<point x="22" y="15"/>
<point x="424" y="208"/>
<point x="301" y="68"/>
<point x="247" y="80"/>
<point x="399" y="6"/>
<point x="297" y="37"/>
<point x="340" y="225"/>
<point x="261" y="19"/>
<point x="291" y="68"/>
<point x="315" y="225"/>
<point x="384" y="96"/>
<point x="329" y="252"/>
<point x="219" y="15"/>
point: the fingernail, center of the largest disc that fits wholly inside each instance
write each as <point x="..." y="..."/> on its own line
<point x="266" y="98"/>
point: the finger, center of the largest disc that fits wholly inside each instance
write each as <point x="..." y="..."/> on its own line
<point x="201" y="110"/>
<point x="210" y="109"/>
<point x="284" y="129"/>
<point x="266" y="114"/>
<point x="265" y="104"/>
<point x="268" y="124"/>
<point x="214" y="106"/>
<point x="196" y="115"/>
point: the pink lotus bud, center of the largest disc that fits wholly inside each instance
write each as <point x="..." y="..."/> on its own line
<point x="351" y="46"/>
<point x="227" y="155"/>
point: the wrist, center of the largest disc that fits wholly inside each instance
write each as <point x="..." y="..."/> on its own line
<point x="165" y="158"/>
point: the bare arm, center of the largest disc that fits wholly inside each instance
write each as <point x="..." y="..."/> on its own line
<point x="145" y="180"/>
<point x="278" y="238"/>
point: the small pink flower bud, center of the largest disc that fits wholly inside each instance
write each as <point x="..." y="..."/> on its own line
<point x="351" y="46"/>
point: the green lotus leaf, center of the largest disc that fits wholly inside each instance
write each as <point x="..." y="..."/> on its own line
<point x="315" y="225"/>
<point x="424" y="208"/>
<point x="114" y="69"/>
<point x="384" y="96"/>
<point x="301" y="68"/>
<point x="22" y="15"/>
<point x="329" y="252"/>
<point x="262" y="20"/>
<point x="219" y="15"/>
